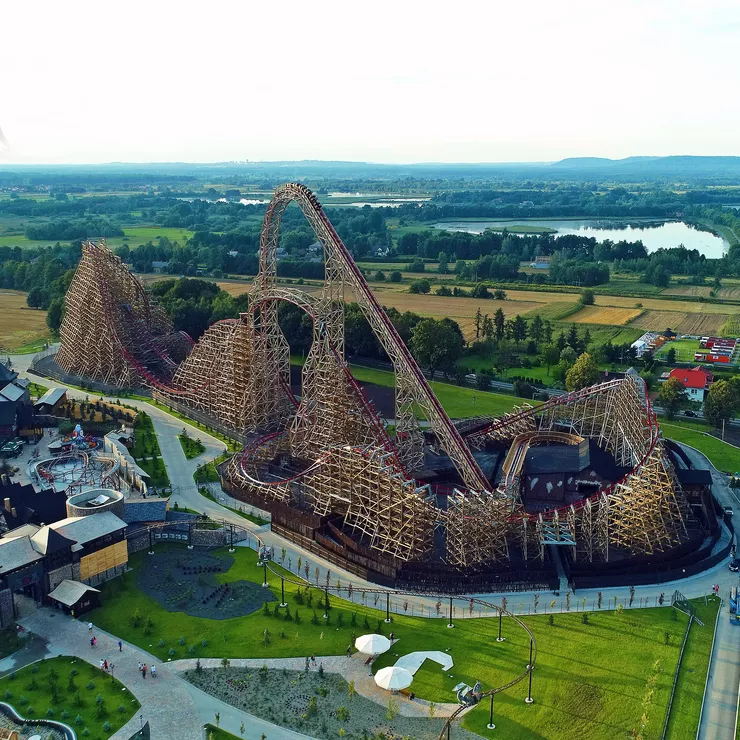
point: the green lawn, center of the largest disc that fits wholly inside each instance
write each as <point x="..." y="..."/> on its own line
<point x="590" y="680"/>
<point x="191" y="447"/>
<point x="136" y="235"/>
<point x="216" y="733"/>
<point x="692" y="677"/>
<point x="723" y="456"/>
<point x="685" y="349"/>
<point x="36" y="390"/>
<point x="145" y="442"/>
<point x="79" y="687"/>
<point x="457" y="401"/>
<point x="157" y="472"/>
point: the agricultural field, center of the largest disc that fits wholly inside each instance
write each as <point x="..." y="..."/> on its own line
<point x="461" y="310"/>
<point x="652" y="320"/>
<point x="690" y="290"/>
<point x="609" y="315"/>
<point x="22" y="329"/>
<point x="556" y="311"/>
<point x="732" y="326"/>
<point x="703" y="324"/>
<point x="730" y="292"/>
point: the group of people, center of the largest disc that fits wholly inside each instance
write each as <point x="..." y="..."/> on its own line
<point x="143" y="669"/>
<point x="108" y="667"/>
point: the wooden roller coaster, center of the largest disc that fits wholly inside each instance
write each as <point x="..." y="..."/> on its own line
<point x="330" y="453"/>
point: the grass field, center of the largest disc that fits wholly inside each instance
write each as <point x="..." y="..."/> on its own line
<point x="609" y="315"/>
<point x="590" y="681"/>
<point x="21" y="328"/>
<point x="457" y="401"/>
<point x="731" y="327"/>
<point x="79" y="685"/>
<point x="685" y="349"/>
<point x="684" y="719"/>
<point x="723" y="456"/>
<point x="136" y="235"/>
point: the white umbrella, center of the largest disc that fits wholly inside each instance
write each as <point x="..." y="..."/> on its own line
<point x="393" y="678"/>
<point x="372" y="644"/>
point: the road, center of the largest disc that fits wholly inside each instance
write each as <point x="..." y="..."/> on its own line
<point x="718" y="719"/>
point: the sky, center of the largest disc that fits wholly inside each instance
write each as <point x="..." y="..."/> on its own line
<point x="401" y="81"/>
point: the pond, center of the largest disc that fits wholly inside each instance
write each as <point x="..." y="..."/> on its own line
<point x="653" y="235"/>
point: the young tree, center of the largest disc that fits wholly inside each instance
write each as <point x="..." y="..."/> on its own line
<point x="670" y="356"/>
<point x="395" y="277"/>
<point x="499" y="294"/>
<point x="573" y="337"/>
<point x="379" y="276"/>
<point x="587" y="297"/>
<point x="488" y="328"/>
<point x="550" y="356"/>
<point x="584" y="372"/>
<point x="672" y="396"/>
<point x="561" y="342"/>
<point x="420" y="286"/>
<point x="499" y="321"/>
<point x="568" y="356"/>
<point x="443" y="263"/>
<point x="478" y="323"/>
<point x="536" y="328"/>
<point x="519" y="329"/>
<point x="548" y="332"/>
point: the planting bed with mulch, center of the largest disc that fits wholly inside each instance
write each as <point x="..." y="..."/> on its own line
<point x="315" y="705"/>
<point x="186" y="582"/>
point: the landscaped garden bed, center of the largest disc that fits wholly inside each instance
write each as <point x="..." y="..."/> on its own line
<point x="185" y="581"/>
<point x="320" y="706"/>
<point x="191" y="447"/>
<point x="69" y="690"/>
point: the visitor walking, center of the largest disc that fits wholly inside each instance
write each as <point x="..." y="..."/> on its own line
<point x="153" y="671"/>
<point x="349" y="651"/>
<point x="105" y="665"/>
<point x="141" y="665"/>
<point x="143" y="670"/>
<point x="101" y="664"/>
<point x="313" y="658"/>
<point x="120" y="646"/>
<point x="92" y="642"/>
<point x="89" y="626"/>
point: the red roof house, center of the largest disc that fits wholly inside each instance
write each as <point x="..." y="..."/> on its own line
<point x="695" y="380"/>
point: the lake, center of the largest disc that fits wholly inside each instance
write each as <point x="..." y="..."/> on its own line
<point x="653" y="236"/>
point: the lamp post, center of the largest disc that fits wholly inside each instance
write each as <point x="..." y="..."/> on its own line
<point x="283" y="602"/>
<point x="530" y="668"/>
<point x="326" y="603"/>
<point x="490" y="724"/>
<point x="500" y="638"/>
<point x="450" y="620"/>
<point x="264" y="565"/>
<point x="387" y="606"/>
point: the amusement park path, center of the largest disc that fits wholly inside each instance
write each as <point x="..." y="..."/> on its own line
<point x="173" y="707"/>
<point x="718" y="718"/>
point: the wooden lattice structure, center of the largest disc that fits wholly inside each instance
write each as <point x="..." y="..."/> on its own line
<point x="329" y="453"/>
<point x="112" y="331"/>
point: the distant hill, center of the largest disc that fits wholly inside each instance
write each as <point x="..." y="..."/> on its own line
<point x="654" y="167"/>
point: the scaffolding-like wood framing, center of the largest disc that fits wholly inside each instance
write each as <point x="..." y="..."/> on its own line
<point x="111" y="331"/>
<point x="330" y="453"/>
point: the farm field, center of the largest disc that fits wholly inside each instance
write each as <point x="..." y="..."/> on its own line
<point x="136" y="235"/>
<point x="690" y="290"/>
<point x="652" y="319"/>
<point x="461" y="310"/>
<point x="21" y="328"/>
<point x="556" y="311"/>
<point x="609" y="315"/>
<point x="703" y="324"/>
<point x="732" y="326"/>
